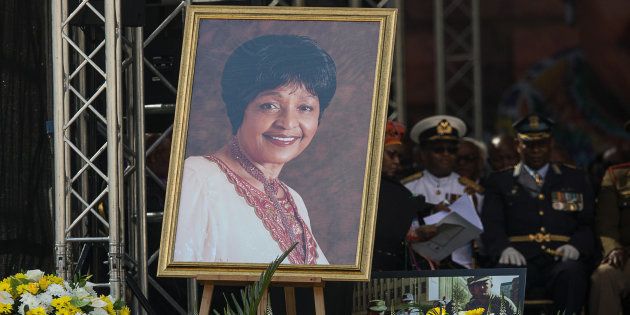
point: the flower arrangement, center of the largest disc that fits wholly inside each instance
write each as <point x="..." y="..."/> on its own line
<point x="442" y="311"/>
<point x="34" y="293"/>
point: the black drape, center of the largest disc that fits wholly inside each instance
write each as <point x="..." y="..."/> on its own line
<point x="26" y="230"/>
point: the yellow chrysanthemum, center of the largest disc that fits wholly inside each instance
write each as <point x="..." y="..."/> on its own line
<point x="36" y="311"/>
<point x="53" y="279"/>
<point x="19" y="275"/>
<point x="21" y="289"/>
<point x="6" y="308"/>
<point x="124" y="311"/>
<point x="5" y="286"/>
<point x="477" y="311"/>
<point x="61" y="302"/>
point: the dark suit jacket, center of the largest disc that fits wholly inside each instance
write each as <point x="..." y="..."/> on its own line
<point x="510" y="209"/>
<point x="396" y="209"/>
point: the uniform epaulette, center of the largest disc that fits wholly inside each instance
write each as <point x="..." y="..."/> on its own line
<point x="469" y="183"/>
<point x="507" y="168"/>
<point x="411" y="178"/>
<point x="556" y="168"/>
<point x="569" y="165"/>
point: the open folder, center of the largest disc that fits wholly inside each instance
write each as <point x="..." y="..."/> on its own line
<point x="455" y="229"/>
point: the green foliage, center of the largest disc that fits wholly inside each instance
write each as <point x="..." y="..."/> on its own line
<point x="253" y="294"/>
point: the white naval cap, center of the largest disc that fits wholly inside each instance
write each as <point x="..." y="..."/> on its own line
<point x="438" y="127"/>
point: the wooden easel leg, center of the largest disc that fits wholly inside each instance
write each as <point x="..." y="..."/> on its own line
<point x="318" y="292"/>
<point x="206" y="299"/>
<point x="289" y="298"/>
<point x="262" y="307"/>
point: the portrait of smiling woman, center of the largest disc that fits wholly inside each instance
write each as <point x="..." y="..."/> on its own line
<point x="233" y="208"/>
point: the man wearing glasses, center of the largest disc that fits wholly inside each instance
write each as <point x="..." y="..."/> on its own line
<point x="438" y="137"/>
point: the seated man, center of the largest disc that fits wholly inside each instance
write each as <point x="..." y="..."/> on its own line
<point x="502" y="152"/>
<point x="610" y="290"/>
<point x="482" y="297"/>
<point x="538" y="215"/>
<point x="439" y="137"/>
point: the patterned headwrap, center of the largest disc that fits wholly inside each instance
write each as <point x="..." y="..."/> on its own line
<point x="394" y="132"/>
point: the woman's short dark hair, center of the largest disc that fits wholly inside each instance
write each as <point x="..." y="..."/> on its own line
<point x="270" y="61"/>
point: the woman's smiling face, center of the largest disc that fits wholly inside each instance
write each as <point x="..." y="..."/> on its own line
<point x="279" y="124"/>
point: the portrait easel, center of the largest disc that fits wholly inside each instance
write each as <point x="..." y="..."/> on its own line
<point x="288" y="283"/>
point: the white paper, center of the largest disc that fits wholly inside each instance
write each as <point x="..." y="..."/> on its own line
<point x="455" y="229"/>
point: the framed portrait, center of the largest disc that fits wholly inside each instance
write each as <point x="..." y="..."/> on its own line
<point x="278" y="138"/>
<point x="455" y="291"/>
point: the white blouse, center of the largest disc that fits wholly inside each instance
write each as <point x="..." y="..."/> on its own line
<point x="216" y="224"/>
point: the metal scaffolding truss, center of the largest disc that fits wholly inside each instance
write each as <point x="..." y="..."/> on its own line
<point x="458" y="61"/>
<point x="99" y="144"/>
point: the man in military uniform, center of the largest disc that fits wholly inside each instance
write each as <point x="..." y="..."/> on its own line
<point x="538" y="215"/>
<point x="439" y="137"/>
<point x="610" y="290"/>
<point x="479" y="287"/>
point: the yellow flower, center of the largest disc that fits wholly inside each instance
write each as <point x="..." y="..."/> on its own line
<point x="477" y="311"/>
<point x="19" y="275"/>
<point x="20" y="289"/>
<point x="32" y="287"/>
<point x="53" y="279"/>
<point x="36" y="311"/>
<point x="5" y="286"/>
<point x="436" y="311"/>
<point x="124" y="311"/>
<point x="61" y="302"/>
<point x="109" y="308"/>
<point x="43" y="283"/>
<point x="6" y="308"/>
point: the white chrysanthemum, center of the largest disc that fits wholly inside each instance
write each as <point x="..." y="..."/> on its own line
<point x="45" y="297"/>
<point x="30" y="300"/>
<point x="34" y="275"/>
<point x="98" y="311"/>
<point x="5" y="297"/>
<point x="56" y="290"/>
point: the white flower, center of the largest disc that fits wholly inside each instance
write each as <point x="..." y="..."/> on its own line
<point x="34" y="275"/>
<point x="98" y="311"/>
<point x="96" y="302"/>
<point x="56" y="290"/>
<point x="5" y="298"/>
<point x="45" y="297"/>
<point x="81" y="293"/>
<point x="30" y="300"/>
<point x="89" y="287"/>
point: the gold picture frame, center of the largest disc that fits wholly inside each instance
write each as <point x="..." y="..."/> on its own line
<point x="337" y="175"/>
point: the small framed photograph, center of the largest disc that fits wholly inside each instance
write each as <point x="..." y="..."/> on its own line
<point x="278" y="138"/>
<point x="456" y="291"/>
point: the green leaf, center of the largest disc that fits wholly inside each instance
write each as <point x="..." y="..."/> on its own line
<point x="119" y="304"/>
<point x="253" y="294"/>
<point x="79" y="303"/>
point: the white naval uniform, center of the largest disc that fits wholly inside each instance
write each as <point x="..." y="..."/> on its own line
<point x="446" y="189"/>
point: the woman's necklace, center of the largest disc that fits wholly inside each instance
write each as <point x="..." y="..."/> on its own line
<point x="271" y="186"/>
